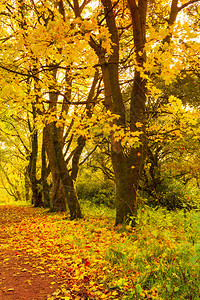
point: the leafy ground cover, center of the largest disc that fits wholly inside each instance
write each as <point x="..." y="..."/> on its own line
<point x="91" y="259"/>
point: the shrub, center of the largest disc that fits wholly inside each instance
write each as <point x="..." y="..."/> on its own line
<point x="173" y="194"/>
<point x="93" y="186"/>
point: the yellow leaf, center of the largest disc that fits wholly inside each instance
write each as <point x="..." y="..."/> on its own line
<point x="138" y="124"/>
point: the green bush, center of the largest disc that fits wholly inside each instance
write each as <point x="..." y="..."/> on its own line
<point x="173" y="194"/>
<point x="93" y="186"/>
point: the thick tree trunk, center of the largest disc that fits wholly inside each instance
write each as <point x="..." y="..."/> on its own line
<point x="37" y="196"/>
<point x="58" y="199"/>
<point x="68" y="185"/>
<point x="126" y="201"/>
<point x="76" y="157"/>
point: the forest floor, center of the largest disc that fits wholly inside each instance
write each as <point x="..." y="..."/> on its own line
<point x="45" y="256"/>
<point x="22" y="280"/>
<point x="22" y="274"/>
<point x="22" y="277"/>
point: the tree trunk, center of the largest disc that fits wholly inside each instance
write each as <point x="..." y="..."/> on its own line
<point x="58" y="200"/>
<point x="68" y="185"/>
<point x="27" y="185"/>
<point x="32" y="170"/>
<point x="44" y="174"/>
<point x="127" y="166"/>
<point x="126" y="201"/>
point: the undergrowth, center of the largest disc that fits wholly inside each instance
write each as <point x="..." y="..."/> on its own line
<point x="157" y="259"/>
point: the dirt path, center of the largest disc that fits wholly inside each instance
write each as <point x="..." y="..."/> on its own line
<point x="22" y="277"/>
<point x="19" y="280"/>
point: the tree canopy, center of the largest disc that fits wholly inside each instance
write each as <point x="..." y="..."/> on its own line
<point x="121" y="78"/>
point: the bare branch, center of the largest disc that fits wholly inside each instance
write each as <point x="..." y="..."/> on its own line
<point x="20" y="73"/>
<point x="16" y="135"/>
<point x="86" y="158"/>
<point x="70" y="4"/>
<point x="187" y="4"/>
<point x="85" y="2"/>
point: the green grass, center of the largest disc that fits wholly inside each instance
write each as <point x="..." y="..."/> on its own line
<point x="158" y="259"/>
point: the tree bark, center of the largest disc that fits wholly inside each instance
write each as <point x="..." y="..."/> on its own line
<point x="58" y="200"/>
<point x="44" y="174"/>
<point x="27" y="184"/>
<point x="67" y="182"/>
<point x="32" y="167"/>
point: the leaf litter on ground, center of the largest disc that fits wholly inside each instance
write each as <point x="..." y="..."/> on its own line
<point x="96" y="260"/>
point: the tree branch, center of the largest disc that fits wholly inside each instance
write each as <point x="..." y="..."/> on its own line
<point x="19" y="73"/>
<point x="187" y="4"/>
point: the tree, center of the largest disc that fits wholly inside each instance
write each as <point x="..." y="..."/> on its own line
<point x="14" y="149"/>
<point x="134" y="46"/>
<point x="128" y="166"/>
<point x="47" y="73"/>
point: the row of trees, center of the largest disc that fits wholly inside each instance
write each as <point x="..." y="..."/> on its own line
<point x="89" y="75"/>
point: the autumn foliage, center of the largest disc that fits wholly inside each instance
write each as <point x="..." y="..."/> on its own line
<point x="99" y="104"/>
<point x="94" y="260"/>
